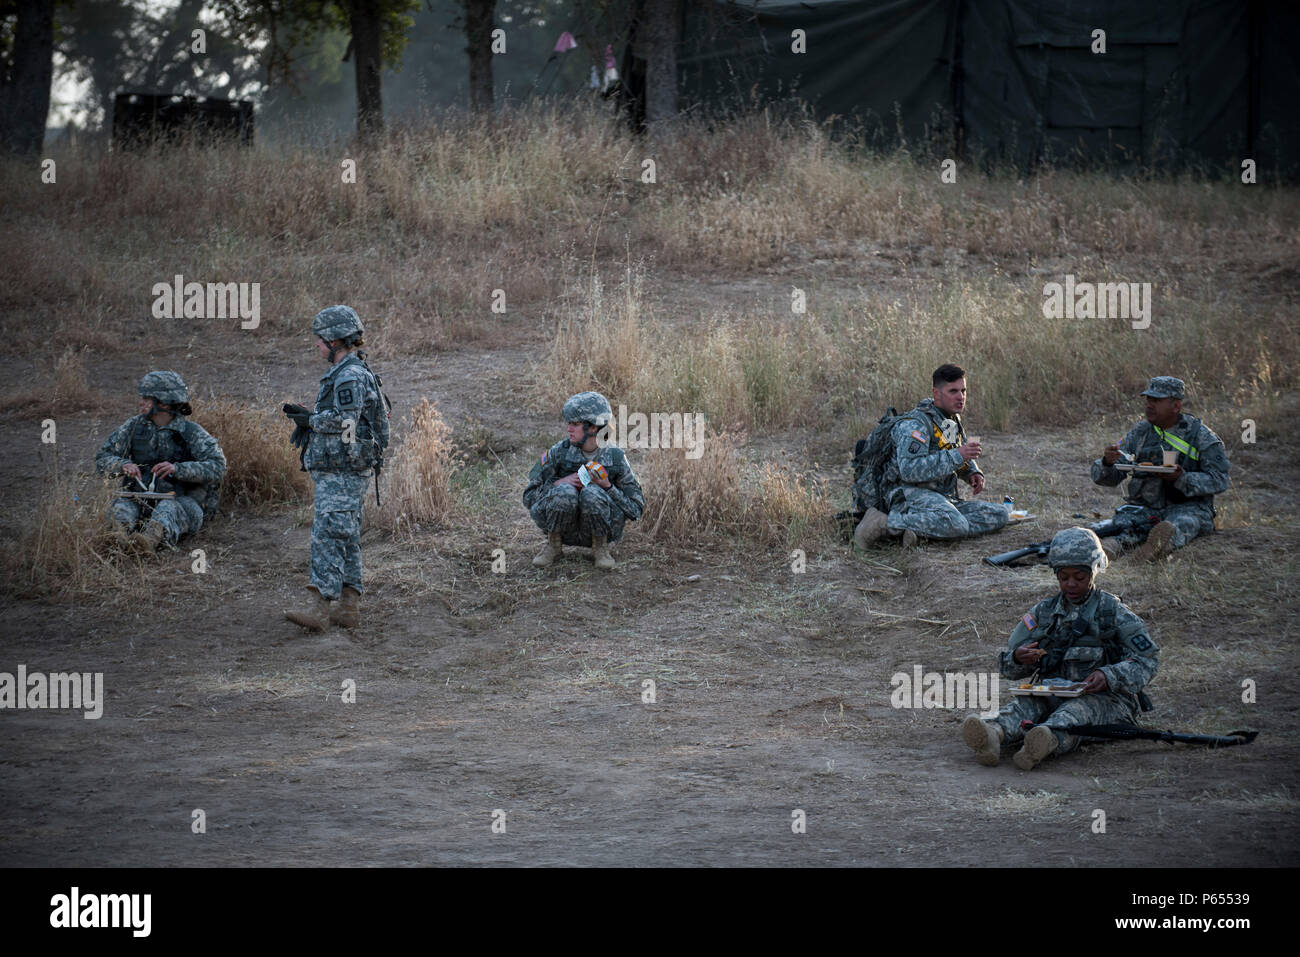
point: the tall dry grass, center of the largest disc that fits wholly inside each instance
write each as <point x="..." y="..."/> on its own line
<point x="842" y="363"/>
<point x="67" y="391"/>
<point x="721" y="494"/>
<point x="64" y="546"/>
<point x="419" y="491"/>
<point x="262" y="468"/>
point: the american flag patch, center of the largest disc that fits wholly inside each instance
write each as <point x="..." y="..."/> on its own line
<point x="544" y="455"/>
<point x="920" y="436"/>
<point x="1029" y="621"/>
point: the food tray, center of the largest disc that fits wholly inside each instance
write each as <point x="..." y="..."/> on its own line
<point x="1148" y="469"/>
<point x="1049" y="691"/>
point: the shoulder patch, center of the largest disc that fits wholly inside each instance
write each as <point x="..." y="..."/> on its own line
<point x="920" y="436"/>
<point x="1141" y="642"/>
<point x="546" y="455"/>
<point x="1030" y="622"/>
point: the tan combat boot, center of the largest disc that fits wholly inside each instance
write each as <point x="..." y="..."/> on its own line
<point x="346" y="612"/>
<point x="316" y="618"/>
<point x="873" y="527"/>
<point x="984" y="738"/>
<point x="120" y="537"/>
<point x="1159" y="543"/>
<point x="1112" y="547"/>
<point x="1039" y="743"/>
<point x="553" y="549"/>
<point x="600" y="553"/>
<point x="146" y="542"/>
<point x="911" y="539"/>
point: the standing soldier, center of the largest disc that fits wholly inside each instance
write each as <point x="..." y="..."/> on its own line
<point x="575" y="503"/>
<point x="1083" y="635"/>
<point x="343" y="444"/>
<point x="161" y="450"/>
<point x="927" y="453"/>
<point x="1183" y="500"/>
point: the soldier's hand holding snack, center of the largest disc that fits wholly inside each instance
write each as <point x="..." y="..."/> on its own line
<point x="1029" y="654"/>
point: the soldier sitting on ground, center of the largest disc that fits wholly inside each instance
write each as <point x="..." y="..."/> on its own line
<point x="574" y="503"/>
<point x="914" y="491"/>
<point x="1081" y="634"/>
<point x="161" y="450"/>
<point x="1183" y="500"/>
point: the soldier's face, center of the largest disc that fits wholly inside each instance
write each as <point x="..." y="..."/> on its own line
<point x="1074" y="582"/>
<point x="323" y="348"/>
<point x="577" y="432"/>
<point x="951" y="396"/>
<point x="145" y="405"/>
<point x="1163" y="412"/>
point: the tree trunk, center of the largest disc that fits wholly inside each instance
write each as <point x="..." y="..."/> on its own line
<point x="659" y="35"/>
<point x="25" y="90"/>
<point x="367" y="48"/>
<point x="479" y="16"/>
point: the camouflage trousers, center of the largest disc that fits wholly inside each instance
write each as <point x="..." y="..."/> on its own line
<point x="1189" y="519"/>
<point x="933" y="515"/>
<point x="336" y="530"/>
<point x="178" y="516"/>
<point x="1060" y="714"/>
<point x="579" y="515"/>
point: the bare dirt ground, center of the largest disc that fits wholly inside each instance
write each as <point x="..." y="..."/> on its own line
<point x="522" y="692"/>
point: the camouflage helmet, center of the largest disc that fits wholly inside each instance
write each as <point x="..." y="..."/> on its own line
<point x="1077" y="548"/>
<point x="337" y="322"/>
<point x="588" y="407"/>
<point x="167" y="387"/>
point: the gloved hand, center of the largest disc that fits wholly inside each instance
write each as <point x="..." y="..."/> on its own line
<point x="301" y="417"/>
<point x="301" y="437"/>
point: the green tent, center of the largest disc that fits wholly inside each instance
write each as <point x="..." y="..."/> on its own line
<point x="1204" y="82"/>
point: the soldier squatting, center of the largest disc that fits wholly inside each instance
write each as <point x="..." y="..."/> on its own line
<point x="582" y="492"/>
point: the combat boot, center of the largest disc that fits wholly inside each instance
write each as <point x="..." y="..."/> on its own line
<point x="600" y="553"/>
<point x="553" y="549"/>
<point x="146" y="542"/>
<point x="1159" y="543"/>
<point x="346" y="612"/>
<point x="873" y="527"/>
<point x="316" y="618"/>
<point x="120" y="537"/>
<point x="984" y="738"/>
<point x="1039" y="743"/>
<point x="1112" y="547"/>
<point x="911" y="539"/>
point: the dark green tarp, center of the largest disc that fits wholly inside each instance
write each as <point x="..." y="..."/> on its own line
<point x="1205" y="82"/>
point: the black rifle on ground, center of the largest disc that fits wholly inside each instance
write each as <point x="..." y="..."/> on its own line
<point x="1127" y="518"/>
<point x="1127" y="732"/>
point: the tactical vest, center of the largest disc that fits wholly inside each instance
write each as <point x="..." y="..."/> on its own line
<point x="1075" y="654"/>
<point x="1152" y="449"/>
<point x="947" y="485"/>
<point x="151" y="445"/>
<point x="327" y="450"/>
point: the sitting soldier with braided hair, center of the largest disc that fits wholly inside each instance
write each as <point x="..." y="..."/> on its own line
<point x="574" y="503"/>
<point x="161" y="450"/>
<point x="1083" y="635"/>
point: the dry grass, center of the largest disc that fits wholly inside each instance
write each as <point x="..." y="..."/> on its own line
<point x="262" y="468"/>
<point x="419" y="492"/>
<point x="64" y="546"/>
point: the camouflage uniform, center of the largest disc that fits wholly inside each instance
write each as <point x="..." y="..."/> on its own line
<point x="348" y="432"/>
<point x="922" y="478"/>
<point x="349" y="400"/>
<point x="200" y="464"/>
<point x="1188" y="503"/>
<point x="591" y="512"/>
<point x="1114" y="642"/>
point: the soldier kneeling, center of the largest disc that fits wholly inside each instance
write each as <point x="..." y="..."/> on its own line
<point x="581" y="493"/>
<point x="161" y="451"/>
<point x="1081" y="634"/>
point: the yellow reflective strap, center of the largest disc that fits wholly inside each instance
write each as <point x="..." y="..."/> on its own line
<point x="1189" y="450"/>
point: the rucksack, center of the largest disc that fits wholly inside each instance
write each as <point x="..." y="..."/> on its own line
<point x="871" y="456"/>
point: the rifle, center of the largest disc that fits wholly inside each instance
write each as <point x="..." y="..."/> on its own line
<point x="1127" y="518"/>
<point x="1127" y="732"/>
